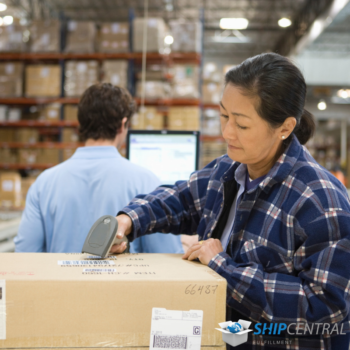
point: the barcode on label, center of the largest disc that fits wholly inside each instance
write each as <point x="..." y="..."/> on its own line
<point x="85" y="262"/>
<point x="169" y="341"/>
<point x="100" y="270"/>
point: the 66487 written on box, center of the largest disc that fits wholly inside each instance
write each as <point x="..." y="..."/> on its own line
<point x="76" y="301"/>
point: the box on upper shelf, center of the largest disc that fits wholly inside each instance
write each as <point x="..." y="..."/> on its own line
<point x="185" y="83"/>
<point x="70" y="135"/>
<point x="212" y="93"/>
<point x="156" y="31"/>
<point x="187" y="35"/>
<point x="27" y="135"/>
<point x="154" y="89"/>
<point x="28" y="156"/>
<point x="8" y="156"/>
<point x="49" y="156"/>
<point x="11" y="79"/>
<point x="113" y="37"/>
<point x="79" y="76"/>
<point x="13" y="38"/>
<point x="86" y="315"/>
<point x="70" y="113"/>
<point x="148" y="119"/>
<point x="184" y="118"/>
<point x="45" y="36"/>
<point x="115" y="72"/>
<point x="43" y="80"/>
<point x="7" y="134"/>
<point x="81" y="36"/>
<point x="211" y="122"/>
<point x="50" y="112"/>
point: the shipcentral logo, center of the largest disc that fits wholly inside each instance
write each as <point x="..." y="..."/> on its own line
<point x="298" y="328"/>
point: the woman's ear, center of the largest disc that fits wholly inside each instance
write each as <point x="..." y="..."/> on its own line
<point x="288" y="127"/>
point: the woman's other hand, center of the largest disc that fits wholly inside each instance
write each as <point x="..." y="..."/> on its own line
<point x="204" y="251"/>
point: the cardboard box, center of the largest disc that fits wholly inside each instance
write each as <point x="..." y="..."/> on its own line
<point x="154" y="89"/>
<point x="156" y="32"/>
<point x="43" y="80"/>
<point x="51" y="112"/>
<point x="45" y="36"/>
<point x="13" y="38"/>
<point x="184" y="118"/>
<point x="28" y="156"/>
<point x="113" y="37"/>
<point x="11" y="79"/>
<point x="79" y="76"/>
<point x="187" y="35"/>
<point x="70" y="135"/>
<point x="10" y="190"/>
<point x="115" y="72"/>
<point x="71" y="302"/>
<point x="7" y="134"/>
<point x="8" y="156"/>
<point x="70" y="113"/>
<point x="49" y="156"/>
<point x="212" y="93"/>
<point x="29" y="135"/>
<point x="14" y="114"/>
<point x="185" y="81"/>
<point x="211" y="122"/>
<point x="148" y="119"/>
<point x="81" y="37"/>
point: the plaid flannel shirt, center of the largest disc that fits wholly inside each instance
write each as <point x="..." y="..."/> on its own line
<point x="290" y="245"/>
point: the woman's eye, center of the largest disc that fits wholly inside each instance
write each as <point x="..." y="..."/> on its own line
<point x="242" y="127"/>
<point x="224" y="116"/>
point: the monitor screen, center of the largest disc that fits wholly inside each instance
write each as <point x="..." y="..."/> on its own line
<point x="170" y="155"/>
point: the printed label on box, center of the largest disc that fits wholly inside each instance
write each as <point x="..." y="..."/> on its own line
<point x="72" y="25"/>
<point x="2" y="309"/>
<point x="45" y="39"/>
<point x="115" y="27"/>
<point x="81" y="67"/>
<point x="176" y="329"/>
<point x="44" y="73"/>
<point x="7" y="186"/>
<point x="84" y="262"/>
<point x="9" y="68"/>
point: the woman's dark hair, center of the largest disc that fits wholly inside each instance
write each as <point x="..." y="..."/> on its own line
<point x="101" y="110"/>
<point x="280" y="88"/>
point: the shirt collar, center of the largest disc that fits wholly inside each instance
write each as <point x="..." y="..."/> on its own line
<point x="96" y="152"/>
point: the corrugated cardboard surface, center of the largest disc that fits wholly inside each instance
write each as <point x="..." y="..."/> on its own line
<point x="48" y="305"/>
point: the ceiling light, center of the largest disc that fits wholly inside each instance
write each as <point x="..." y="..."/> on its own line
<point x="233" y="23"/>
<point x="322" y="105"/>
<point x="8" y="20"/>
<point x="1" y="21"/>
<point x="343" y="93"/>
<point x="284" y="22"/>
<point x="3" y="7"/>
<point x="168" y="39"/>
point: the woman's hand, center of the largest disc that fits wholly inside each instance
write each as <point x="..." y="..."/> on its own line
<point x="204" y="250"/>
<point x="124" y="228"/>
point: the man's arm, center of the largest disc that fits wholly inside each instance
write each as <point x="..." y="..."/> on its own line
<point x="31" y="232"/>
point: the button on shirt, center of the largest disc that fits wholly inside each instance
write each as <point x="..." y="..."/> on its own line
<point x="67" y="199"/>
<point x="245" y="184"/>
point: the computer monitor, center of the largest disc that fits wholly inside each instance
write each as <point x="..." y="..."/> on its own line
<point x="170" y="155"/>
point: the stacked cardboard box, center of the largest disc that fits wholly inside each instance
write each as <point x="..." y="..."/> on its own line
<point x="70" y="135"/>
<point x="212" y="84"/>
<point x="154" y="89"/>
<point x="10" y="189"/>
<point x="48" y="156"/>
<point x="13" y="38"/>
<point x="25" y="185"/>
<point x="28" y="156"/>
<point x="8" y="156"/>
<point x="81" y="37"/>
<point x="114" y="37"/>
<point x="185" y="82"/>
<point x="212" y="150"/>
<point x="184" y="118"/>
<point x="45" y="36"/>
<point x="156" y="30"/>
<point x="11" y="79"/>
<point x="115" y="72"/>
<point x="211" y="122"/>
<point x="148" y="119"/>
<point x="79" y="76"/>
<point x="50" y="112"/>
<point x="43" y="80"/>
<point x="70" y="113"/>
<point x="27" y="135"/>
<point x="187" y="36"/>
<point x="7" y="134"/>
<point x="139" y="282"/>
<point x="10" y="114"/>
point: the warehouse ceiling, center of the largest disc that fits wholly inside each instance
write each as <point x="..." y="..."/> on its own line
<point x="262" y="35"/>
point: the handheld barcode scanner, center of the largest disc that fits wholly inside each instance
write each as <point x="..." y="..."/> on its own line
<point x="102" y="236"/>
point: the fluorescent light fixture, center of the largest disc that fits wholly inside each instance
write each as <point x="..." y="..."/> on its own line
<point x="3" y="7"/>
<point x="284" y="22"/>
<point x="1" y="21"/>
<point x="344" y="93"/>
<point x="168" y="39"/>
<point x="8" y="20"/>
<point x="322" y="105"/>
<point x="233" y="23"/>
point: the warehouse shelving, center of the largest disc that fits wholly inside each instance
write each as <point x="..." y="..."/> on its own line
<point x="34" y="166"/>
<point x="54" y="145"/>
<point x="38" y="123"/>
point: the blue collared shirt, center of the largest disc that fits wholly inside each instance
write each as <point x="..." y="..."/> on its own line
<point x="67" y="199"/>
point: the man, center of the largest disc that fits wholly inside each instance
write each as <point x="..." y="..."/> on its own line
<point x="67" y="199"/>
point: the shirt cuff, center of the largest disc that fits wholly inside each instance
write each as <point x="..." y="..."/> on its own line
<point x="135" y="223"/>
<point x="218" y="260"/>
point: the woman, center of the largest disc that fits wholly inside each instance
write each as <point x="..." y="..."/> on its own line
<point x="272" y="221"/>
